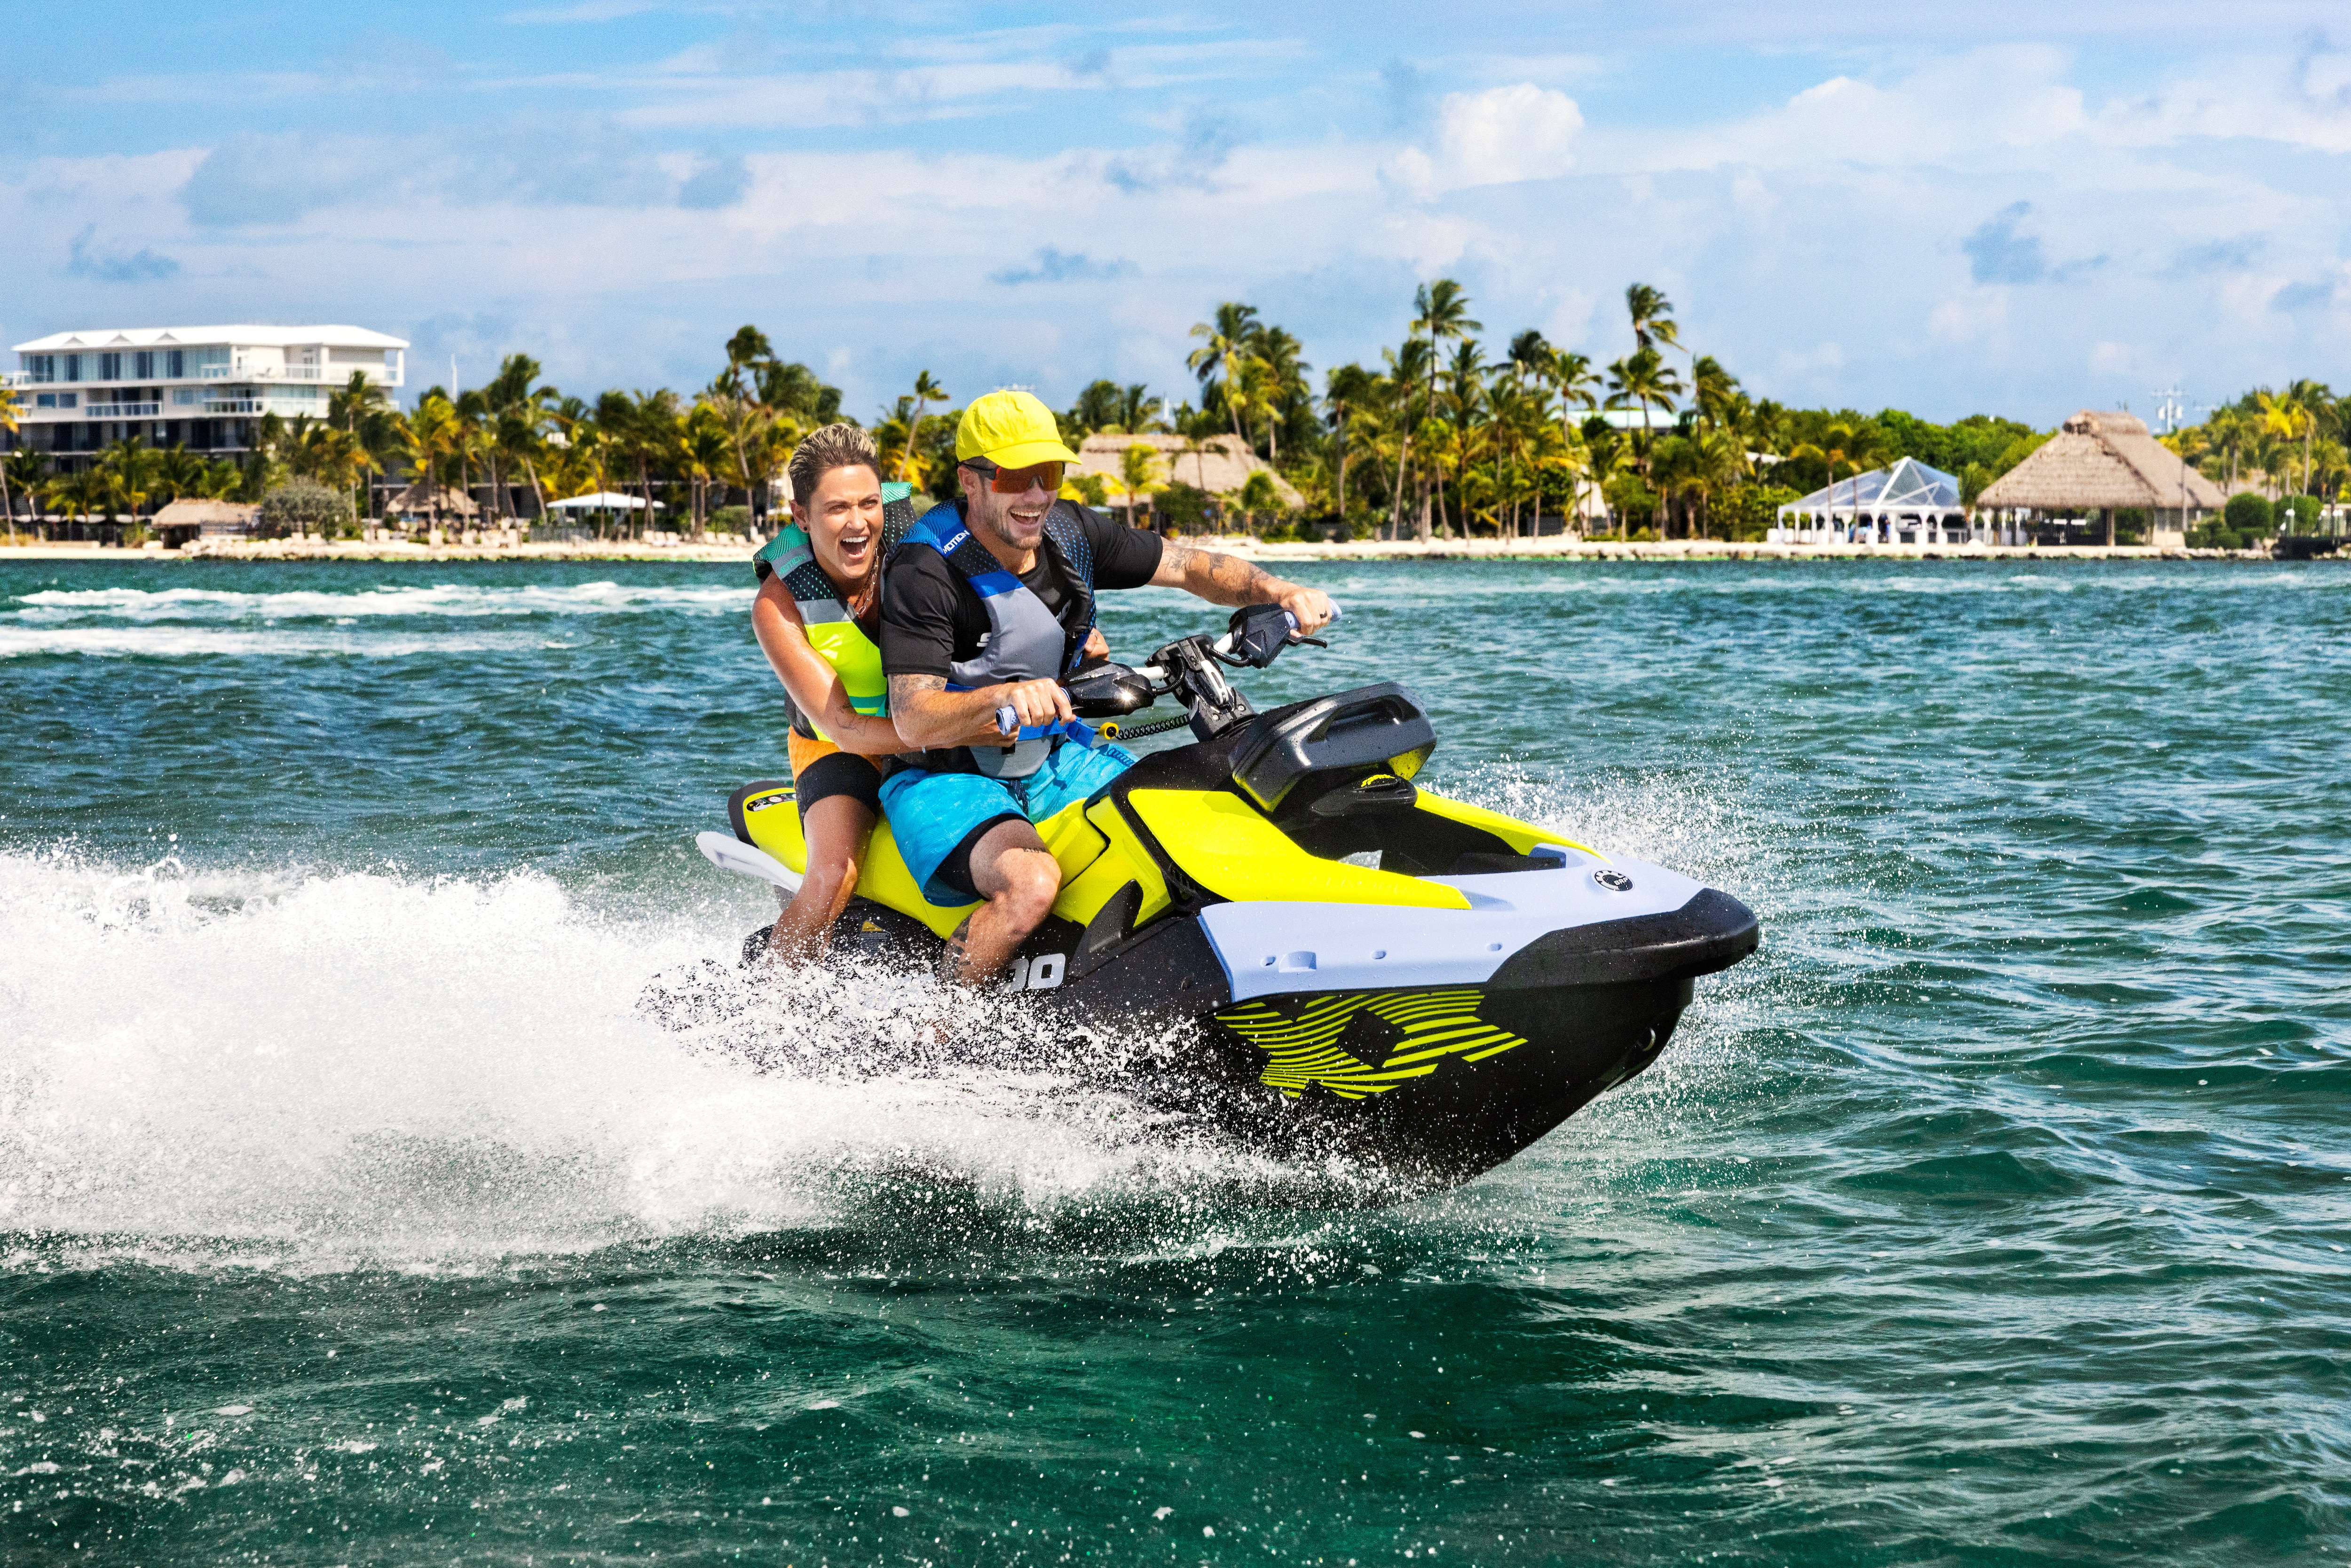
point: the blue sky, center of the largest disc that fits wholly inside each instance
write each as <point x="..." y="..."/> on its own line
<point x="2000" y="207"/>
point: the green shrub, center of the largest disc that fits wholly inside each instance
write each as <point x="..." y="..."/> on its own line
<point x="731" y="521"/>
<point x="2251" y="515"/>
<point x="304" y="507"/>
<point x="1182" y="508"/>
<point x="1630" y="499"/>
<point x="2299" y="514"/>
<point x="1748" y="511"/>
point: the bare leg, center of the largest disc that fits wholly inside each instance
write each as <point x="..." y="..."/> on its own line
<point x="1017" y="875"/>
<point x="838" y="826"/>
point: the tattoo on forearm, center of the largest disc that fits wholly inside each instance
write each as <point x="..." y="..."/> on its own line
<point x="1236" y="581"/>
<point x="904" y="689"/>
<point x="951" y="958"/>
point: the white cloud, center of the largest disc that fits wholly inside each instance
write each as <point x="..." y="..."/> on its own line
<point x="626" y="247"/>
<point x="1969" y="314"/>
<point x="2111" y="359"/>
<point x="1501" y="136"/>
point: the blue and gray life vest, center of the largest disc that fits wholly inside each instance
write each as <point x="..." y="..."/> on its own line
<point x="1026" y="641"/>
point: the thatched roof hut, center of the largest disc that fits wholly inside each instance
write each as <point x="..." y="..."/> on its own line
<point x="211" y="517"/>
<point x="181" y="522"/>
<point x="2100" y="461"/>
<point x="1222" y="465"/>
<point x="425" y="499"/>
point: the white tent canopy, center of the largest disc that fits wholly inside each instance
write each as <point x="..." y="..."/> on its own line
<point x="1908" y="503"/>
<point x="603" y="501"/>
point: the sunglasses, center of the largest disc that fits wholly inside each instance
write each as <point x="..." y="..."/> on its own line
<point x="1020" y="481"/>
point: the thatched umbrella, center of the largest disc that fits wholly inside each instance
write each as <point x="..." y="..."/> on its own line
<point x="2105" y="462"/>
<point x="1220" y="465"/>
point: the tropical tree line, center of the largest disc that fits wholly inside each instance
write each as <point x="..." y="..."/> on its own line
<point x="2282" y="444"/>
<point x="491" y="446"/>
<point x="1449" y="432"/>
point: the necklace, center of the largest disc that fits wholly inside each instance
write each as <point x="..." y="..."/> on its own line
<point x="860" y="601"/>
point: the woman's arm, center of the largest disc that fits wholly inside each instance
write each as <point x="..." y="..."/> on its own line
<point x="775" y="622"/>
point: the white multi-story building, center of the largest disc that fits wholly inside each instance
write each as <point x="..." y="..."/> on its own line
<point x="78" y="392"/>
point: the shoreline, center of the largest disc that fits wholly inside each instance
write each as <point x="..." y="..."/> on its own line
<point x="1562" y="549"/>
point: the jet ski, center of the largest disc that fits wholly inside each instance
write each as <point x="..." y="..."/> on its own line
<point x="1361" y="966"/>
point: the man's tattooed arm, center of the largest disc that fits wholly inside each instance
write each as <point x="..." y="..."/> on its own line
<point x="1216" y="577"/>
<point x="929" y="715"/>
<point x="950" y="969"/>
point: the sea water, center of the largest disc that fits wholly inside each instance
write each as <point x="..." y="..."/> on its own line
<point x="1995" y="1211"/>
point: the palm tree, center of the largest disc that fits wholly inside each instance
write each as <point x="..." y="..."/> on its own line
<point x="22" y="470"/>
<point x="1440" y="311"/>
<point x="469" y="442"/>
<point x="363" y="408"/>
<point x="1248" y="388"/>
<point x="1133" y="409"/>
<point x="927" y="391"/>
<point x="8" y="412"/>
<point x="1712" y="389"/>
<point x="1136" y="466"/>
<point x="1844" y="443"/>
<point x="1466" y="382"/>
<point x="1230" y="337"/>
<point x="702" y="444"/>
<point x="1345" y="390"/>
<point x="1653" y="318"/>
<point x="652" y="428"/>
<point x="1410" y="366"/>
<point x="1281" y="382"/>
<point x="128" y="474"/>
<point x="430" y="436"/>
<point x="2289" y="419"/>
<point x="1642" y="379"/>
<point x="797" y="397"/>
<point x="178" y="472"/>
<point x="747" y="350"/>
<point x="1256" y="496"/>
<point x="76" y="495"/>
<point x="515" y="407"/>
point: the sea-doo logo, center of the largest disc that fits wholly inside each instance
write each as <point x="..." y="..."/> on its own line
<point x="1042" y="972"/>
<point x="782" y="798"/>
<point x="1611" y="879"/>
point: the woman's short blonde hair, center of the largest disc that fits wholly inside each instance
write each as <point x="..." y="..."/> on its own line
<point x="822" y="451"/>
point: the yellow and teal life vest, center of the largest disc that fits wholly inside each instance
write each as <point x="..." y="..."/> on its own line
<point x="832" y="630"/>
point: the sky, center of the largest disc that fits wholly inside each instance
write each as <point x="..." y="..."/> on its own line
<point x="2000" y="207"/>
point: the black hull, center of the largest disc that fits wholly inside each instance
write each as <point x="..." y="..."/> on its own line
<point x="1434" y="1085"/>
<point x="1455" y="1126"/>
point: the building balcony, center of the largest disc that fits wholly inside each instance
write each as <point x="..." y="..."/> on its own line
<point x="121" y="410"/>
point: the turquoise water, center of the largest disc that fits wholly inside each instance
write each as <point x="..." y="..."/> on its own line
<point x="1995" y="1212"/>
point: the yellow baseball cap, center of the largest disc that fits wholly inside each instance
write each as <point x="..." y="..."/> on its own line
<point x="1011" y="430"/>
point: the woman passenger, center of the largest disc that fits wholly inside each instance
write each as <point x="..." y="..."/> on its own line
<point x="816" y="618"/>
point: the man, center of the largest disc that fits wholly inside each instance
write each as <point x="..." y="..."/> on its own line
<point x="985" y="606"/>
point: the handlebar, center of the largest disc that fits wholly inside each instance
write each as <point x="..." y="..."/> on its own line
<point x="1009" y="725"/>
<point x="1223" y="645"/>
<point x="1186" y="667"/>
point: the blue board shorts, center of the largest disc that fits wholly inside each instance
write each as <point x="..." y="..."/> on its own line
<point x="938" y="818"/>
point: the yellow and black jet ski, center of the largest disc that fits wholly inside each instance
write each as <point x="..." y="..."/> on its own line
<point x="1372" y="968"/>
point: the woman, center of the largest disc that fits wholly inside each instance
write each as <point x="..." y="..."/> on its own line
<point x="817" y="619"/>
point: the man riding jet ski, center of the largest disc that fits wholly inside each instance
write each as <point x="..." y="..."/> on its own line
<point x="985" y="605"/>
<point x="1365" y="966"/>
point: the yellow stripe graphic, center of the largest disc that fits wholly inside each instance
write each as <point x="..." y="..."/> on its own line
<point x="1304" y="1050"/>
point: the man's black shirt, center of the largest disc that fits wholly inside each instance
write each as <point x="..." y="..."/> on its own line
<point x="932" y="618"/>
